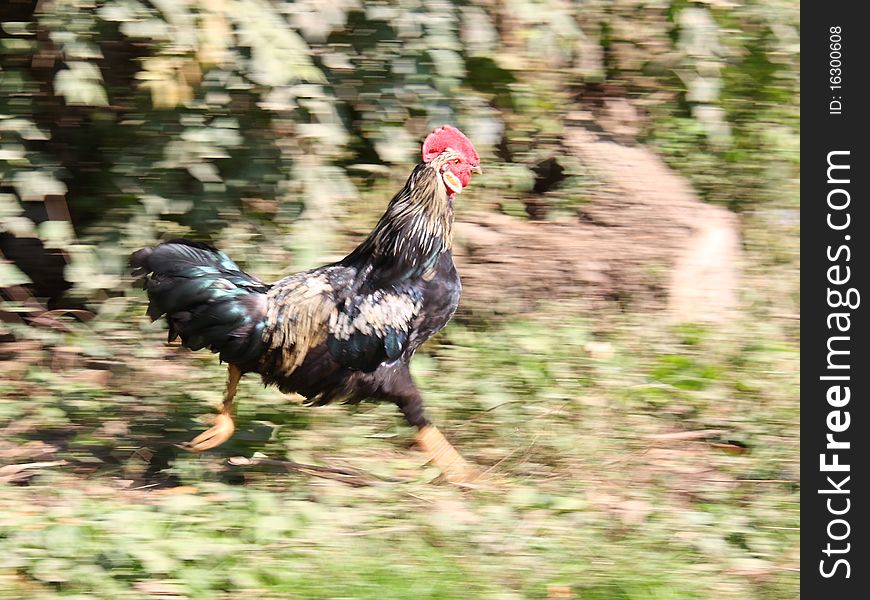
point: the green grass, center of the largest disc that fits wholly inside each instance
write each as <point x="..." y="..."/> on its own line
<point x="586" y="501"/>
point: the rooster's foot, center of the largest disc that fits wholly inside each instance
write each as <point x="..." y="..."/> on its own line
<point x="217" y="434"/>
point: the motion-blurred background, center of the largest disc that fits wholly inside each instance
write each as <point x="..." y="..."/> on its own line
<point x="625" y="359"/>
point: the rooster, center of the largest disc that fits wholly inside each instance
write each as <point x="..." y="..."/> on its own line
<point x="344" y="331"/>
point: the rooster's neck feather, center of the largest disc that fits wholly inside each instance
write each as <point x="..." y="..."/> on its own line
<point x="415" y="230"/>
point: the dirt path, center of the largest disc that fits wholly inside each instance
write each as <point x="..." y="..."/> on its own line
<point x="644" y="237"/>
<point x="704" y="276"/>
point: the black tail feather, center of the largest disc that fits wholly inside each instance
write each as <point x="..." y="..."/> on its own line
<point x="208" y="300"/>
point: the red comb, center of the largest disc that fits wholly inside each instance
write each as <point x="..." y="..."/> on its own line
<point x="449" y="137"/>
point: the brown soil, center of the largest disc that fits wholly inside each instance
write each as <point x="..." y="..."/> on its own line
<point x="644" y="237"/>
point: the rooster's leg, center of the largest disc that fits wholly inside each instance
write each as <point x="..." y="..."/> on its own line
<point x="441" y="453"/>
<point x="224" y="426"/>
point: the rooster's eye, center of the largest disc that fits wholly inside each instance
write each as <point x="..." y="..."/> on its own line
<point x="455" y="161"/>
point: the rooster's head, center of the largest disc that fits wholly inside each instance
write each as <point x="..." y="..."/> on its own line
<point x="453" y="155"/>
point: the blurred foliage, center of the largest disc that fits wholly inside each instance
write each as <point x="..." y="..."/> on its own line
<point x="593" y="499"/>
<point x="161" y="118"/>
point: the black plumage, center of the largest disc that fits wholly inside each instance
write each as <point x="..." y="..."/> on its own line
<point x="208" y="300"/>
<point x="344" y="331"/>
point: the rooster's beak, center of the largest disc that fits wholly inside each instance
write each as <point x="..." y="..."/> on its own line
<point x="477" y="170"/>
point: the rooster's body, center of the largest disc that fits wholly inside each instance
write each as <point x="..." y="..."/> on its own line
<point x="344" y="331"/>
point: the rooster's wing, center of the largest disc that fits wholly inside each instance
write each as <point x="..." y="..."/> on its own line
<point x="361" y="329"/>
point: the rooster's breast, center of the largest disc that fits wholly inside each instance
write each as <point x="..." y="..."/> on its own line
<point x="440" y="300"/>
